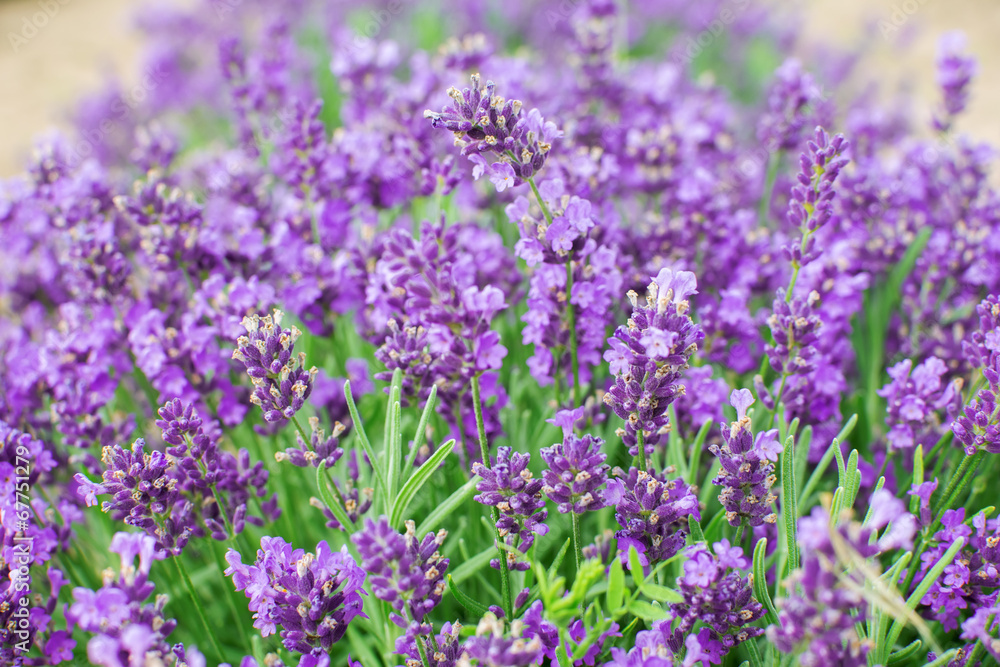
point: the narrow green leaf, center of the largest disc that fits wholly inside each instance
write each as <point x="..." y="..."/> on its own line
<point x="647" y="611"/>
<point x="921" y="590"/>
<point x="755" y="659"/>
<point x="695" y="528"/>
<point x="675" y="449"/>
<point x="838" y="504"/>
<point x="635" y="566"/>
<point x="558" y="560"/>
<point x="760" y="591"/>
<point x="454" y="501"/>
<point x="841" y="467"/>
<point x="415" y="483"/>
<point x="616" y="585"/>
<point x="661" y="593"/>
<point x="918" y="478"/>
<point x="471" y="605"/>
<point x="696" y="449"/>
<point x="393" y="449"/>
<point x="905" y="653"/>
<point x="851" y="473"/>
<point x="421" y="433"/>
<point x="817" y="473"/>
<point x="713" y="531"/>
<point x="359" y="428"/>
<point x="789" y="505"/>
<point x="331" y="501"/>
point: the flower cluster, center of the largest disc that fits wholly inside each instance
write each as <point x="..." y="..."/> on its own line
<point x="970" y="581"/>
<point x="914" y="398"/>
<point x="281" y="382"/>
<point x="576" y="473"/>
<point x="312" y="596"/>
<point x="653" y="513"/>
<point x="193" y="488"/>
<point x="977" y="428"/>
<point x="403" y="571"/>
<point x="717" y="595"/>
<point x="649" y="356"/>
<point x="126" y="629"/>
<point x="747" y="472"/>
<point x="484" y="123"/>
<point x="509" y="486"/>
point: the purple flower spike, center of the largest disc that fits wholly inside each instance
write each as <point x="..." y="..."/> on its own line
<point x="487" y="123"/>
<point x="649" y="356"/>
<point x="717" y="595"/>
<point x="405" y="572"/>
<point x="576" y="473"/>
<point x="747" y="473"/>
<point x="510" y="487"/>
<point x="652" y="512"/>
<point x="312" y="596"/>
<point x="281" y="382"/>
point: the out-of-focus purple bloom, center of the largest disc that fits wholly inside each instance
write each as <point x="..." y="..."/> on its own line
<point x="955" y="71"/>
<point x="914" y="400"/>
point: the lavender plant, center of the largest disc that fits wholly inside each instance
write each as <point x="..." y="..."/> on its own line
<point x="341" y="402"/>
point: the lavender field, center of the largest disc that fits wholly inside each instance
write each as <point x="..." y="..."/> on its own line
<point x="501" y="335"/>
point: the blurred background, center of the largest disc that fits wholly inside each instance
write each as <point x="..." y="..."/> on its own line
<point x="81" y="43"/>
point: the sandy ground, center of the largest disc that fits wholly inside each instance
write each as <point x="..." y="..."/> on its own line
<point x="83" y="41"/>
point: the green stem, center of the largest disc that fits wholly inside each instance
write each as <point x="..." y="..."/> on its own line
<point x="329" y="475"/>
<point x="738" y="541"/>
<point x="226" y="586"/>
<point x="577" y="539"/>
<point x="209" y="628"/>
<point x="640" y="439"/>
<point x="484" y="451"/>
<point x="541" y="203"/>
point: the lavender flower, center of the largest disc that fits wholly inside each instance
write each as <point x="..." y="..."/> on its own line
<point x="321" y="448"/>
<point x="404" y="571"/>
<point x="811" y="204"/>
<point x="914" y="399"/>
<point x="820" y="621"/>
<point x="484" y="123"/>
<point x="509" y="486"/>
<point x="795" y="327"/>
<point x="977" y="429"/>
<point x="491" y="647"/>
<point x="126" y="629"/>
<point x="717" y="595"/>
<point x="652" y="512"/>
<point x="954" y="74"/>
<point x="747" y="473"/>
<point x="313" y="596"/>
<point x="649" y="356"/>
<point x="281" y="382"/>
<point x="576" y="473"/>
